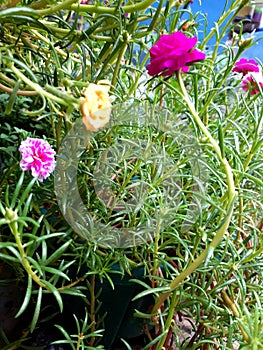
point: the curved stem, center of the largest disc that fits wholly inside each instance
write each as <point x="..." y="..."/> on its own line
<point x="104" y="9"/>
<point x="19" y="92"/>
<point x="65" y="100"/>
<point x="213" y="142"/>
<point x="12" y="216"/>
<point x="229" y="209"/>
<point x="174" y="301"/>
<point x="156" y="15"/>
<point x="70" y="5"/>
<point x="61" y="6"/>
<point x="36" y="87"/>
<point x="197" y="119"/>
<point x="229" y="303"/>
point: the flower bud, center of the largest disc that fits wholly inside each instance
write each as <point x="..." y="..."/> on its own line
<point x="11" y="215"/>
<point x="243" y="44"/>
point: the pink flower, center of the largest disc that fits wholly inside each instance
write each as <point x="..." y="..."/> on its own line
<point x="37" y="156"/>
<point x="245" y="66"/>
<point x="173" y="52"/>
<point x="251" y="83"/>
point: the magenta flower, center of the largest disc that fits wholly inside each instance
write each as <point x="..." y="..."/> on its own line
<point x="37" y="156"/>
<point x="173" y="52"/>
<point x="251" y="83"/>
<point x="245" y="66"/>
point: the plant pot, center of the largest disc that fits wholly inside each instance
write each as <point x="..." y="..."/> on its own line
<point x="119" y="307"/>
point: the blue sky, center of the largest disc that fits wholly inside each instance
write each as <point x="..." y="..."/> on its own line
<point x="213" y="9"/>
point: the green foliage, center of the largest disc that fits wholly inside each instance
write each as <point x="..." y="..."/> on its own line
<point x="49" y="52"/>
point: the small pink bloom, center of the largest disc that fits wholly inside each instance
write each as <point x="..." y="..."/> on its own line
<point x="245" y="66"/>
<point x="37" y="156"/>
<point x="251" y="83"/>
<point x="173" y="52"/>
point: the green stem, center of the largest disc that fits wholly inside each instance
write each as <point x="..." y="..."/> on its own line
<point x="61" y="6"/>
<point x="49" y="43"/>
<point x="156" y="248"/>
<point x="229" y="303"/>
<point x="70" y="5"/>
<point x="156" y="15"/>
<point x="11" y="215"/>
<point x="197" y="119"/>
<point x="117" y="65"/>
<point x="229" y="209"/>
<point x="142" y="5"/>
<point x="169" y="320"/>
<point x="40" y="90"/>
<point x="80" y="336"/>
<point x="61" y="32"/>
<point x="240" y="218"/>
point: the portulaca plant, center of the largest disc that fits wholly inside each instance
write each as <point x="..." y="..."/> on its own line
<point x="129" y="154"/>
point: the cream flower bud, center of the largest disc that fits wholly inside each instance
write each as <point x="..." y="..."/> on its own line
<point x="96" y="106"/>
